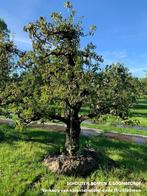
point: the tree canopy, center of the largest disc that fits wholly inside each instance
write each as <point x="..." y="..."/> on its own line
<point x="144" y="84"/>
<point x="60" y="77"/>
<point x="4" y="54"/>
<point x="8" y="58"/>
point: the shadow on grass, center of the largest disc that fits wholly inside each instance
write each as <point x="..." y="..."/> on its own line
<point x="9" y="135"/>
<point x="139" y="110"/>
<point x="44" y="136"/>
<point x="138" y="114"/>
<point x="130" y="156"/>
<point x="140" y="106"/>
<point x="143" y="101"/>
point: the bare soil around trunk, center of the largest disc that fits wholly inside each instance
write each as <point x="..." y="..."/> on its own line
<point x="79" y="165"/>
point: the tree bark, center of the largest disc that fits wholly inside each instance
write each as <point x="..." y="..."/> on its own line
<point x="72" y="136"/>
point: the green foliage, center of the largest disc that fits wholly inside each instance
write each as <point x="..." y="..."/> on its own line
<point x="60" y="77"/>
<point x="4" y="32"/>
<point x="8" y="71"/>
<point x="144" y="85"/>
<point x="119" y="89"/>
<point x="5" y="55"/>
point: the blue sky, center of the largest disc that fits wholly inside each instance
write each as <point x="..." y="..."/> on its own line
<point x="121" y="34"/>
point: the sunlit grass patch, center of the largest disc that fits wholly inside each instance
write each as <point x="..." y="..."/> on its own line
<point x="22" y="170"/>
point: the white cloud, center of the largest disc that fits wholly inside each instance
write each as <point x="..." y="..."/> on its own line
<point x="137" y="69"/>
<point x="19" y="39"/>
<point x="116" y="54"/>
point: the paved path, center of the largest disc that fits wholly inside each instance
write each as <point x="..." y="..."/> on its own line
<point x="89" y="132"/>
<point x="115" y="135"/>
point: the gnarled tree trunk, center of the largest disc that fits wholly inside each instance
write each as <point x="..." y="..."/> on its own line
<point x="72" y="136"/>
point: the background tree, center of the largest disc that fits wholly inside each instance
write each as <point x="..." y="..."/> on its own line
<point x="144" y="85"/>
<point x="5" y="59"/>
<point x="8" y="68"/>
<point x="120" y="88"/>
<point x="5" y="65"/>
<point x="60" y="77"/>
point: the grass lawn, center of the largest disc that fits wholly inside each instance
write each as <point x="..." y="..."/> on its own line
<point x="109" y="128"/>
<point x="138" y="112"/>
<point x="22" y="171"/>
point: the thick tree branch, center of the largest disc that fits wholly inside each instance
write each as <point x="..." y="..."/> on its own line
<point x="58" y="117"/>
<point x="38" y="115"/>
